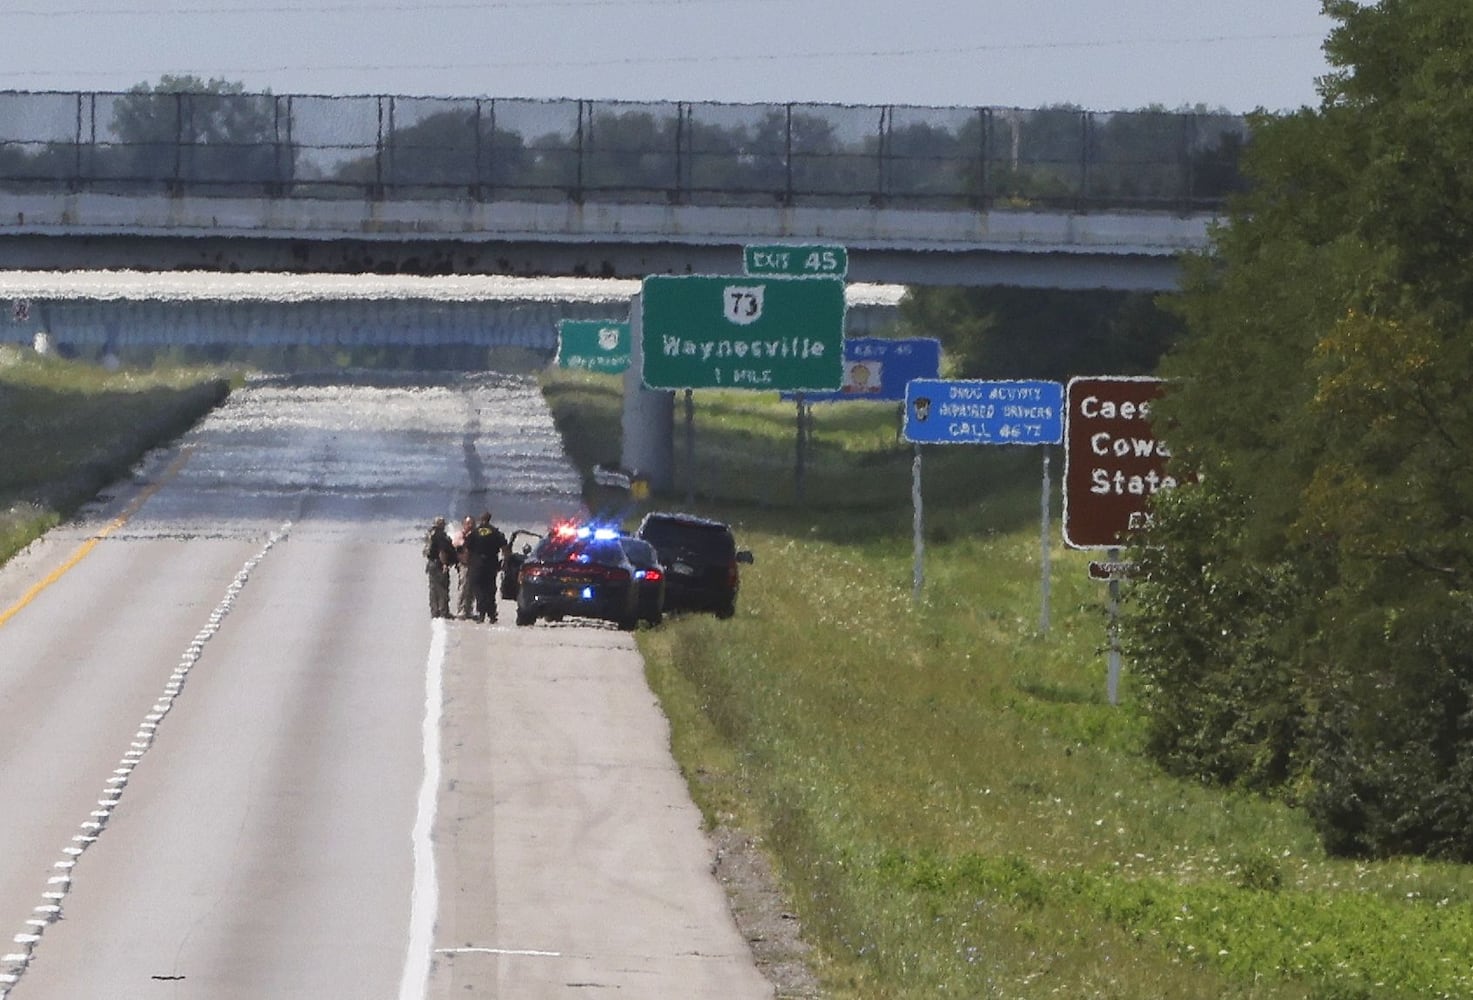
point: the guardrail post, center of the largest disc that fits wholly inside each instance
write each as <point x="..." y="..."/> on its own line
<point x="583" y="109"/>
<point x="77" y="150"/>
<point x="1086" y="134"/>
<point x="1188" y="142"/>
<point x="787" y="197"/>
<point x="984" y="143"/>
<point x="175" y="183"/>
<point x="677" y="195"/>
<point x="475" y="190"/>
<point x="883" y="154"/>
<point x="377" y="192"/>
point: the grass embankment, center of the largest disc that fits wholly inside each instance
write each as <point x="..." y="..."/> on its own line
<point x="68" y="429"/>
<point x="954" y="806"/>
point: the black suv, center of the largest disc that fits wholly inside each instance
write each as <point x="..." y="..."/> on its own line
<point x="700" y="558"/>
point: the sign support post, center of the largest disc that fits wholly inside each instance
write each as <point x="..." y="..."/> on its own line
<point x="690" y="450"/>
<point x="918" y="571"/>
<point x="800" y="451"/>
<point x="1044" y="548"/>
<point x="1113" y="465"/>
<point x="648" y="419"/>
<point x="1112" y="680"/>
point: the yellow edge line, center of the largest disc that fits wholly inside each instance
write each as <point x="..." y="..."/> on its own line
<point x="107" y="529"/>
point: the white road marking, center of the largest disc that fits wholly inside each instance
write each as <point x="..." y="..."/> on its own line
<point x="424" y="900"/>
<point x="16" y="964"/>
<point x="499" y="951"/>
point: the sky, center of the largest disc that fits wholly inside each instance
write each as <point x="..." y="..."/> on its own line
<point x="1101" y="55"/>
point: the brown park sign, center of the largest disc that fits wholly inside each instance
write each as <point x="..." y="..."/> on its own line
<point x="1113" y="462"/>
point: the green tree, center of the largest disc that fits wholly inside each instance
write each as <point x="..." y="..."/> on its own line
<point x="443" y="151"/>
<point x="1001" y="332"/>
<point x="189" y="129"/>
<point x="1323" y="394"/>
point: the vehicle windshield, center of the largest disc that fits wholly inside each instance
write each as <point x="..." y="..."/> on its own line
<point x="599" y="550"/>
<point x="641" y="553"/>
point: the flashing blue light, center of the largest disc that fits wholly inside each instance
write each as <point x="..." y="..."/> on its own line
<point x="605" y="534"/>
<point x="587" y="594"/>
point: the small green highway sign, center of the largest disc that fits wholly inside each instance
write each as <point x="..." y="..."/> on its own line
<point x="731" y="332"/>
<point x="797" y="261"/>
<point x="593" y="345"/>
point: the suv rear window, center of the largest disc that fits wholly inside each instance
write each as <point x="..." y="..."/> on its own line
<point x="710" y="541"/>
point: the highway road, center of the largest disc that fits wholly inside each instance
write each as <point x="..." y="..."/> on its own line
<point x="239" y="760"/>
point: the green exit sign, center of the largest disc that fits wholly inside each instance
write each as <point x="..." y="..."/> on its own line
<point x="593" y="345"/>
<point x="742" y="332"/>
<point x="798" y="261"/>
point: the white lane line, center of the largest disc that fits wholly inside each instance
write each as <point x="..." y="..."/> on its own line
<point x="13" y="966"/>
<point x="499" y="951"/>
<point x="424" y="899"/>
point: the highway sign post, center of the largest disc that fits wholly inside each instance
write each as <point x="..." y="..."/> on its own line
<point x="1113" y="465"/>
<point x="715" y="332"/>
<point x="804" y="261"/>
<point x="970" y="411"/>
<point x="593" y="345"/>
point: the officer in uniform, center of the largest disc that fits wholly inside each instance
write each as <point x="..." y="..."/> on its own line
<point x="439" y="554"/>
<point x="485" y="547"/>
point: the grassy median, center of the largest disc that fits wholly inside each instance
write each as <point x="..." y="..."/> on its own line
<point x="68" y="429"/>
<point x="954" y="806"/>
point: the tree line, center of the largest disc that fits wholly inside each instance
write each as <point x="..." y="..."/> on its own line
<point x="186" y="130"/>
<point x="1303" y="621"/>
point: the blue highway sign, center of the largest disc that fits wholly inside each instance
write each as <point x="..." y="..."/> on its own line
<point x="967" y="411"/>
<point x="877" y="368"/>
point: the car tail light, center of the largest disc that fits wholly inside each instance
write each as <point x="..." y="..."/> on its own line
<point x="651" y="575"/>
<point x="731" y="573"/>
<point x="533" y="572"/>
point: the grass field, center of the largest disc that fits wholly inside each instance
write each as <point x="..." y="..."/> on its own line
<point x="954" y="806"/>
<point x="68" y="429"/>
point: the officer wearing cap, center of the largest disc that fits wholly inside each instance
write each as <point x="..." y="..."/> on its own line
<point x="485" y="547"/>
<point x="439" y="554"/>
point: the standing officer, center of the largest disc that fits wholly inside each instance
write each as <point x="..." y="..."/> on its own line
<point x="485" y="547"/>
<point x="439" y="554"/>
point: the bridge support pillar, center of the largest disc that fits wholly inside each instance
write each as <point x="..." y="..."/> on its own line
<point x="649" y="417"/>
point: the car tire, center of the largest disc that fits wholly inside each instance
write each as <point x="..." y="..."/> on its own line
<point x="655" y="619"/>
<point x="628" y="624"/>
<point x="525" y="617"/>
<point x="726" y="610"/>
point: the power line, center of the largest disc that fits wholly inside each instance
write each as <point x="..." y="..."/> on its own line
<point x="355" y="8"/>
<point x="667" y="60"/>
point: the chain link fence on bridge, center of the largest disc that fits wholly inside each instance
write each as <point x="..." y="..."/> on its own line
<point x="576" y="151"/>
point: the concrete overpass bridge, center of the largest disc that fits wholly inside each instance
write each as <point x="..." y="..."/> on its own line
<point x="1057" y="197"/>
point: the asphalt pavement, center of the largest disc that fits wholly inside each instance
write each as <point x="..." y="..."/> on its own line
<point x="239" y="760"/>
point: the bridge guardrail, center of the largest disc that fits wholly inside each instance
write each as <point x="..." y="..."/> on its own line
<point x="490" y="149"/>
